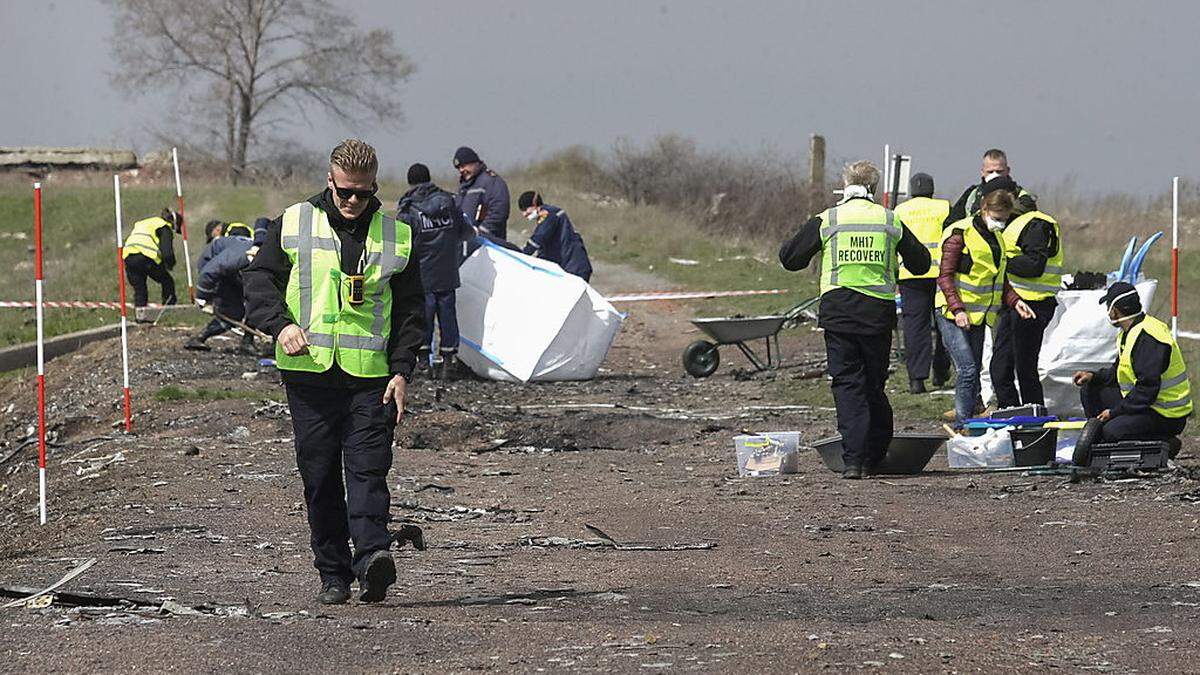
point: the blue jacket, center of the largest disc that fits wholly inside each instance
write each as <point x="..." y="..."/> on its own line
<point x="221" y="276"/>
<point x="484" y="201"/>
<point x="556" y="240"/>
<point x="439" y="230"/>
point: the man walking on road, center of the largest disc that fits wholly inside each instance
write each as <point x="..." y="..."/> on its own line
<point x="858" y="240"/>
<point x="333" y="284"/>
<point x="923" y="215"/>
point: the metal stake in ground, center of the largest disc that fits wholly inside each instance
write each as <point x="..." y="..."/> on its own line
<point x="187" y="256"/>
<point x="1175" y="258"/>
<point x="124" y="308"/>
<point x="41" y="351"/>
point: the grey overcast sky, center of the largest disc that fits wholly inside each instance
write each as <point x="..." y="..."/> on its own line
<point x="1105" y="92"/>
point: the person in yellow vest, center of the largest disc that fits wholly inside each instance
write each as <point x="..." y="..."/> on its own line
<point x="973" y="288"/>
<point x="924" y="215"/>
<point x="1146" y="394"/>
<point x="858" y="241"/>
<point x="332" y="282"/>
<point x="1034" y="248"/>
<point x="149" y="253"/>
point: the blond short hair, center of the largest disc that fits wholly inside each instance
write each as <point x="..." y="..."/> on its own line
<point x="998" y="201"/>
<point x="862" y="173"/>
<point x="354" y="156"/>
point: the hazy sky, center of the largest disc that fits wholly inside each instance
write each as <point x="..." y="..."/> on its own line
<point x="1104" y="91"/>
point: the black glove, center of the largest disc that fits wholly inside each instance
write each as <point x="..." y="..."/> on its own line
<point x="965" y="263"/>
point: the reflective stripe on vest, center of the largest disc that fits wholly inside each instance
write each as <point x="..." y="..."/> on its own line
<point x="859" y="240"/>
<point x="143" y="239"/>
<point x="982" y="289"/>
<point x="1049" y="283"/>
<point x="354" y="336"/>
<point x="1174" y="392"/>
<point x="924" y="217"/>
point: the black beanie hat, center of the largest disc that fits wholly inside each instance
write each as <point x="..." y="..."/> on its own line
<point x="418" y="173"/>
<point x="1124" y="296"/>
<point x="920" y="185"/>
<point x="999" y="183"/>
<point x="464" y="155"/>
<point x="528" y="199"/>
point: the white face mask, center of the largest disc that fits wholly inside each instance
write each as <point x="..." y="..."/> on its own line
<point x="990" y="176"/>
<point x="532" y="216"/>
<point x="993" y="224"/>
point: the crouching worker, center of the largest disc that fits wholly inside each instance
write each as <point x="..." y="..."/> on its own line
<point x="858" y="241"/>
<point x="149" y="252"/>
<point x="219" y="287"/>
<point x="1145" y="395"/>
<point x="440" y="230"/>
<point x="333" y="284"/>
<point x="554" y="237"/>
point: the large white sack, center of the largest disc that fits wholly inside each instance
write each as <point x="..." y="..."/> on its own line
<point x="524" y="319"/>
<point x="1078" y="338"/>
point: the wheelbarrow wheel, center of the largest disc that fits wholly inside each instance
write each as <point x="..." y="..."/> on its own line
<point x="701" y="358"/>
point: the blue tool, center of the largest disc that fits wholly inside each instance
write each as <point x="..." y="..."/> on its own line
<point x="1125" y="259"/>
<point x="1135" y="268"/>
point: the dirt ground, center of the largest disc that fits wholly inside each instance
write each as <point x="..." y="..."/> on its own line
<point x="197" y="522"/>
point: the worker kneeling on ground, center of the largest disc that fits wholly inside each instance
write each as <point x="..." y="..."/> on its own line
<point x="858" y="240"/>
<point x="973" y="285"/>
<point x="924" y="215"/>
<point x="219" y="288"/>
<point x="333" y="284"/>
<point x="1145" y="395"/>
<point x="149" y="252"/>
<point x="554" y="236"/>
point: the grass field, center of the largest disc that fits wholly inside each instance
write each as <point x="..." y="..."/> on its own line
<point x="80" y="254"/>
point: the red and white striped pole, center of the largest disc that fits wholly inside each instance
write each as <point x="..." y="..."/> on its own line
<point x="187" y="257"/>
<point x="41" y="352"/>
<point x="124" y="308"/>
<point x="1175" y="258"/>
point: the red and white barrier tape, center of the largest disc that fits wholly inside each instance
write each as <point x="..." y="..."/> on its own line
<point x="79" y="304"/>
<point x="688" y="295"/>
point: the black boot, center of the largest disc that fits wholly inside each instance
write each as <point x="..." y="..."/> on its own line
<point x="247" y="347"/>
<point x="380" y="572"/>
<point x="449" y="369"/>
<point x="853" y="471"/>
<point x="1174" y="445"/>
<point x="916" y="386"/>
<point x="1089" y="436"/>
<point x="334" y="593"/>
<point x="197" y="345"/>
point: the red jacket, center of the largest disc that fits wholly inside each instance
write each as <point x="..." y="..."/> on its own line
<point x="952" y="250"/>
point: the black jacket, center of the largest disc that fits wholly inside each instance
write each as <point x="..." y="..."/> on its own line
<point x="265" y="281"/>
<point x="1038" y="242"/>
<point x="844" y="310"/>
<point x="1024" y="203"/>
<point x="1150" y="360"/>
<point x="439" y="229"/>
<point x="484" y="201"/>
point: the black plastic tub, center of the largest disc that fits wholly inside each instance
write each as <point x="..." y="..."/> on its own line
<point x="908" y="453"/>
<point x="1034" y="446"/>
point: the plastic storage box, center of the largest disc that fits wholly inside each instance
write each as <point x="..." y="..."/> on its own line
<point x="1033" y="446"/>
<point x="1129" y="455"/>
<point x="767" y="454"/>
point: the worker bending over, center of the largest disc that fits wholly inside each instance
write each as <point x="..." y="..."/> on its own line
<point x="149" y="252"/>
<point x="1033" y="247"/>
<point x="554" y="236"/>
<point x="858" y="240"/>
<point x="1145" y="395"/>
<point x="924" y="216"/>
<point x="219" y="287"/>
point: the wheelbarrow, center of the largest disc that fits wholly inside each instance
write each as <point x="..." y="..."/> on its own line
<point x="701" y="358"/>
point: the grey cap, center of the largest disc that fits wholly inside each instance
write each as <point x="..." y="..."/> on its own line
<point x="920" y="185"/>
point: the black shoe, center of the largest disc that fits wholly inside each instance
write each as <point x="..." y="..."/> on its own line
<point x="852" y="472"/>
<point x="334" y="593"/>
<point x="449" y="369"/>
<point x="916" y="386"/>
<point x="197" y="345"/>
<point x="871" y="469"/>
<point x="939" y="382"/>
<point x="1174" y="445"/>
<point x="380" y="573"/>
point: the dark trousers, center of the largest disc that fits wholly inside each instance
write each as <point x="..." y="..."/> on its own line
<point x="344" y="452"/>
<point x="1016" y="346"/>
<point x="137" y="268"/>
<point x="922" y="345"/>
<point x="1147" y="426"/>
<point x="230" y="304"/>
<point x="858" y="365"/>
<point x="440" y="305"/>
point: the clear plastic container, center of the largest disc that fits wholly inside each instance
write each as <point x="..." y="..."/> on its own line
<point x="767" y="454"/>
<point x="1068" y="435"/>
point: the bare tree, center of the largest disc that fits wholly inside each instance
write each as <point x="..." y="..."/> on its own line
<point x="239" y="68"/>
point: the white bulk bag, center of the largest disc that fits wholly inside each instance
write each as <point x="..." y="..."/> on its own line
<point x="524" y="319"/>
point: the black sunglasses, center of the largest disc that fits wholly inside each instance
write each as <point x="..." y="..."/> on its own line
<point x="347" y="193"/>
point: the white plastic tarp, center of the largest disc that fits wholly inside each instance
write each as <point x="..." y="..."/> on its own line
<point x="524" y="319"/>
<point x="1078" y="338"/>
